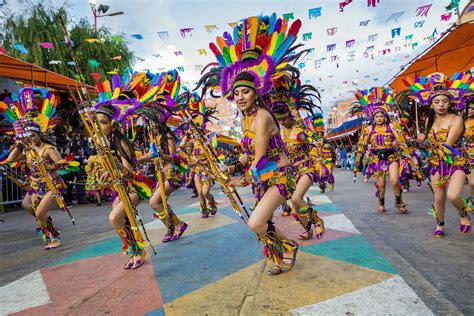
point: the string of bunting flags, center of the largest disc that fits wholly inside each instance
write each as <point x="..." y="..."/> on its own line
<point x="398" y="41"/>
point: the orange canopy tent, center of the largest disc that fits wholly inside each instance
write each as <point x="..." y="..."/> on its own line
<point x="450" y="54"/>
<point x="33" y="75"/>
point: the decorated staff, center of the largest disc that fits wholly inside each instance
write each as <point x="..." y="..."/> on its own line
<point x="31" y="114"/>
<point x="448" y="164"/>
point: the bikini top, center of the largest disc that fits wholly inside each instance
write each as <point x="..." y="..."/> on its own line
<point x="276" y="145"/>
<point x="442" y="134"/>
<point x="381" y="136"/>
<point x="29" y="160"/>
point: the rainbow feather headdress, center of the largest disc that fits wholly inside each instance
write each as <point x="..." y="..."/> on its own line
<point x="289" y="94"/>
<point x="315" y="123"/>
<point x="195" y="105"/>
<point x="31" y="105"/>
<point x="375" y="100"/>
<point x="426" y="88"/>
<point x="169" y="84"/>
<point x="127" y="93"/>
<point x="260" y="46"/>
<point x="166" y="100"/>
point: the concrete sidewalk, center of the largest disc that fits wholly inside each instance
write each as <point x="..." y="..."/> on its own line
<point x="217" y="268"/>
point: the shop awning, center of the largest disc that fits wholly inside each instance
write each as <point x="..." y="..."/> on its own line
<point x="33" y="75"/>
<point x="345" y="129"/>
<point x="450" y="54"/>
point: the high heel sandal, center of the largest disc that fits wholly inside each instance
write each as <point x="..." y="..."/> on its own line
<point x="129" y="264"/>
<point x="465" y="229"/>
<point x="167" y="238"/>
<point x="213" y="207"/>
<point x="284" y="267"/>
<point x="438" y="233"/>
<point x="181" y="230"/>
<point x="205" y="213"/>
<point x="52" y="244"/>
<point x="306" y="235"/>
<point x="137" y="264"/>
<point x="381" y="209"/>
<point x="319" y="224"/>
<point x="402" y="207"/>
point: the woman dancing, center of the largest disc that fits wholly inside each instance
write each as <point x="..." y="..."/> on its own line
<point x="448" y="166"/>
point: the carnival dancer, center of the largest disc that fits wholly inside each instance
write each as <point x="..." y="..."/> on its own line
<point x="315" y="123"/>
<point x="118" y="103"/>
<point x="203" y="179"/>
<point x="169" y="165"/>
<point x="410" y="161"/>
<point x="296" y="136"/>
<point x="248" y="63"/>
<point x="32" y="114"/>
<point x="448" y="165"/>
<point x="382" y="156"/>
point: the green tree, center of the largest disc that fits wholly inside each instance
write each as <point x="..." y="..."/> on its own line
<point x="41" y="24"/>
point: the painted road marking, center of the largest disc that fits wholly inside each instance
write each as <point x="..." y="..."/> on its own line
<point x="390" y="297"/>
<point x="340" y="222"/>
<point x="27" y="292"/>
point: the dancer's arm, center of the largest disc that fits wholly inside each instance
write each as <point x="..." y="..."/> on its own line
<point x="14" y="156"/>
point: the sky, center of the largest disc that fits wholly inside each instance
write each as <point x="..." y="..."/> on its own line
<point x="336" y="80"/>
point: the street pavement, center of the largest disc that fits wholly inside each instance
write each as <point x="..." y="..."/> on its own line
<point x="367" y="263"/>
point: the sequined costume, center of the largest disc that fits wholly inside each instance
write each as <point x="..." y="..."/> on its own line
<point x="382" y="153"/>
<point x="283" y="178"/>
<point x="298" y="153"/>
<point x="439" y="160"/>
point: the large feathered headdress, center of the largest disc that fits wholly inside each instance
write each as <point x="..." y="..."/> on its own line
<point x="289" y="94"/>
<point x="127" y="93"/>
<point x="315" y="122"/>
<point x="260" y="46"/>
<point x="426" y="88"/>
<point x="196" y="107"/>
<point x="375" y="100"/>
<point x="34" y="107"/>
